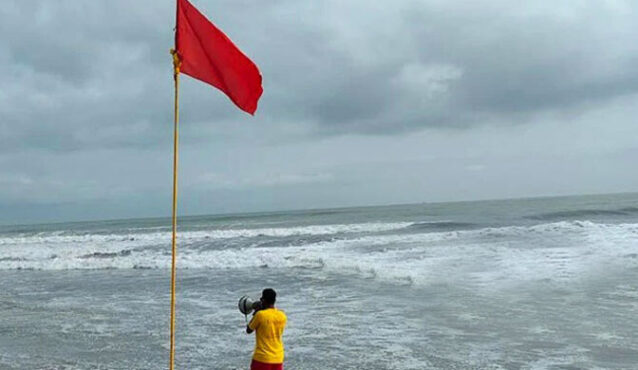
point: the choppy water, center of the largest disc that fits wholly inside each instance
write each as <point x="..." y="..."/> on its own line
<point x="518" y="284"/>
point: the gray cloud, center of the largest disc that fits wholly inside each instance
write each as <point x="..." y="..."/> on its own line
<point x="357" y="67"/>
<point x="86" y="99"/>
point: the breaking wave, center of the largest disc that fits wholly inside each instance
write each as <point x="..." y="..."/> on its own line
<point x="154" y="237"/>
<point x="442" y="225"/>
<point x="483" y="256"/>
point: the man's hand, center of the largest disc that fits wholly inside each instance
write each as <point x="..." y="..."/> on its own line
<point x="249" y="330"/>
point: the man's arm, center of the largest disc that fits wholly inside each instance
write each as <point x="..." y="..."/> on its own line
<point x="253" y="324"/>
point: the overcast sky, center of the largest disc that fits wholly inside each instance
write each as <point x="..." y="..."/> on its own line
<point x="365" y="102"/>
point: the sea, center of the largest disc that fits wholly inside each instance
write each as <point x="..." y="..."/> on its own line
<point x="542" y="283"/>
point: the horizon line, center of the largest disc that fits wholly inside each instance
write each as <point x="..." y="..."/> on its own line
<point x="265" y="212"/>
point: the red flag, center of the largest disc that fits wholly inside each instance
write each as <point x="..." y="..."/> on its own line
<point x="210" y="56"/>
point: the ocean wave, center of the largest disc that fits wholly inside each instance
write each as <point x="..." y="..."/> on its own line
<point x="560" y="251"/>
<point x="584" y="213"/>
<point x="442" y="225"/>
<point x="151" y="238"/>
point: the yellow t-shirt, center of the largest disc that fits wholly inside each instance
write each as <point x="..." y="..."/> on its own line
<point x="269" y="327"/>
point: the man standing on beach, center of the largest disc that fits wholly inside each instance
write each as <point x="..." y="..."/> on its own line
<point x="268" y="323"/>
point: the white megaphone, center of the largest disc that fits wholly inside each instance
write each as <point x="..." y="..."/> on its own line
<point x="246" y="305"/>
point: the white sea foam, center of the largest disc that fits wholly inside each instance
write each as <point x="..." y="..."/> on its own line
<point x="561" y="251"/>
<point x="155" y="237"/>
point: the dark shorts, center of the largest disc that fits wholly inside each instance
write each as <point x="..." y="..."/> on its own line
<point x="256" y="365"/>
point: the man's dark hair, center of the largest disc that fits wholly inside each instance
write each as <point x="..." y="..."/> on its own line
<point x="269" y="296"/>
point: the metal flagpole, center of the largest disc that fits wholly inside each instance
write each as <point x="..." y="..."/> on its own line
<point x="176" y="65"/>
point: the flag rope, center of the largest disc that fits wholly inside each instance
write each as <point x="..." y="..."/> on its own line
<point x="176" y="66"/>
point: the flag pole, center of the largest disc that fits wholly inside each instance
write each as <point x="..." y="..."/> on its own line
<point x="176" y="66"/>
